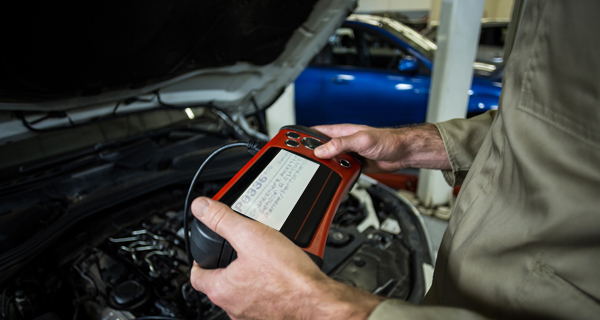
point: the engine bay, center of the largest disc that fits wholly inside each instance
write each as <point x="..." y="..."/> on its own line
<point x="129" y="265"/>
<point x="100" y="235"/>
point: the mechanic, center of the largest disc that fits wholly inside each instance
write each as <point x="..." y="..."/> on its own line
<point x="524" y="237"/>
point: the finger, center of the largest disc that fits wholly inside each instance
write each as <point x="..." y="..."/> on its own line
<point x="327" y="151"/>
<point x="221" y="219"/>
<point x="201" y="279"/>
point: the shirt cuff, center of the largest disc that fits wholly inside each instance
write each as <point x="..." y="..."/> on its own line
<point x="396" y="309"/>
<point x="457" y="175"/>
<point x="462" y="139"/>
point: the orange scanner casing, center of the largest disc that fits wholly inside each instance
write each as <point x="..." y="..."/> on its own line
<point x="301" y="141"/>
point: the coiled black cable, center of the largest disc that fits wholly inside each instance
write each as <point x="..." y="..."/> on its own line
<point x="252" y="145"/>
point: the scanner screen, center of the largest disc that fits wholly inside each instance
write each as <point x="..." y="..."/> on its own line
<point x="273" y="194"/>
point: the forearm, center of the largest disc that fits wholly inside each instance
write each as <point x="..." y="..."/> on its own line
<point x="334" y="300"/>
<point x="422" y="147"/>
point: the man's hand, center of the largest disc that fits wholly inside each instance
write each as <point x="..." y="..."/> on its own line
<point x="271" y="278"/>
<point x="387" y="150"/>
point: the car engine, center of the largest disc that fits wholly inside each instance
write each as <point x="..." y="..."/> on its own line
<point x="140" y="270"/>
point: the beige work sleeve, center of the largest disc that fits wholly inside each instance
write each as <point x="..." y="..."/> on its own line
<point x="462" y="139"/>
<point x="397" y="309"/>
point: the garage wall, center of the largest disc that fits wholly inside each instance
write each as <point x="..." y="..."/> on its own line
<point x="498" y="8"/>
<point x="491" y="9"/>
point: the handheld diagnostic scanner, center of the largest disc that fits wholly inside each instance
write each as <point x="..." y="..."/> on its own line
<point x="287" y="188"/>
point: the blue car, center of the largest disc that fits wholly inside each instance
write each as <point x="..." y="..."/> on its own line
<point x="377" y="71"/>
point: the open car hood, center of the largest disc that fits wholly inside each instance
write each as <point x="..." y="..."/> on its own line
<point x="236" y="55"/>
<point x="91" y="210"/>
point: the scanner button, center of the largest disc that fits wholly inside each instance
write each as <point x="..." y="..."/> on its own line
<point x="293" y="135"/>
<point x="292" y="143"/>
<point x="345" y="163"/>
<point x="311" y="143"/>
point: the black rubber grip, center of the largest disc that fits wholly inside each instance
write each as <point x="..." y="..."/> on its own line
<point x="211" y="251"/>
<point x="206" y="246"/>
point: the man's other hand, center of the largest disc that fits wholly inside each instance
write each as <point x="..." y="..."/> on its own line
<point x="271" y="278"/>
<point x="387" y="149"/>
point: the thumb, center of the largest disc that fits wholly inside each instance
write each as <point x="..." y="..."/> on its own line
<point x="339" y="145"/>
<point x="221" y="219"/>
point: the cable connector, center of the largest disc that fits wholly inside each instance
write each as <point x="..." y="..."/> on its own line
<point x="255" y="146"/>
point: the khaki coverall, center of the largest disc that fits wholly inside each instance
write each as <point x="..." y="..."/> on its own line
<point x="524" y="237"/>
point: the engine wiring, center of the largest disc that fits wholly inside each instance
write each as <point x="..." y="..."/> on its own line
<point x="5" y="303"/>
<point x="262" y="123"/>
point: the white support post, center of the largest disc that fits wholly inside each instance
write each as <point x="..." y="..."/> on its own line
<point x="458" y="33"/>
<point x="282" y="112"/>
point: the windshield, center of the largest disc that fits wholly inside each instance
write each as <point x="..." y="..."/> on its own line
<point x="413" y="38"/>
<point x="418" y="42"/>
<point x="427" y="48"/>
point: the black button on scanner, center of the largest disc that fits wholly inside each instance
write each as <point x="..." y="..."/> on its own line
<point x="293" y="135"/>
<point x="311" y="143"/>
<point x="345" y="163"/>
<point x="292" y="143"/>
